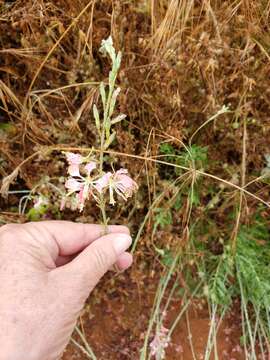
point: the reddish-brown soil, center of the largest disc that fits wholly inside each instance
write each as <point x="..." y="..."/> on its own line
<point x="115" y="328"/>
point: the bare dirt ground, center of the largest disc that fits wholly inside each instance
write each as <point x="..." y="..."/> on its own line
<point x="115" y="327"/>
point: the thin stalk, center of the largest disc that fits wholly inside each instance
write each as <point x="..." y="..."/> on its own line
<point x="88" y="348"/>
<point x="211" y="342"/>
<point x="79" y="346"/>
<point x="19" y="192"/>
<point x="102" y="207"/>
<point x="157" y="307"/>
<point x="183" y="310"/>
<point x="246" y="317"/>
<point x="190" y="337"/>
<point x="152" y="207"/>
<point x="102" y="204"/>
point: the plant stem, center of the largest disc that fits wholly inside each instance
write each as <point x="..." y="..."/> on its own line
<point x="101" y="158"/>
<point x="105" y="120"/>
<point x="102" y="207"/>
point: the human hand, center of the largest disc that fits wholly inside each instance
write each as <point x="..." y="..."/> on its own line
<point x="47" y="270"/>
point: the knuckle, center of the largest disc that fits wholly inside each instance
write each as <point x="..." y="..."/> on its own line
<point x="124" y="229"/>
<point x="85" y="231"/>
<point x="8" y="238"/>
<point x="9" y="231"/>
<point x="101" y="260"/>
<point x="14" y="235"/>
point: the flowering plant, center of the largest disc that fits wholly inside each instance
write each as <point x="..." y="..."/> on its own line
<point x="83" y="182"/>
<point x="160" y="343"/>
<point x="86" y="175"/>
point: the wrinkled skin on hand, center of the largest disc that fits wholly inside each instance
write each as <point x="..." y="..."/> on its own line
<point x="47" y="271"/>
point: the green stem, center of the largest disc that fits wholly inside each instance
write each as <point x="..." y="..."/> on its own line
<point x="103" y="213"/>
<point x="101" y="159"/>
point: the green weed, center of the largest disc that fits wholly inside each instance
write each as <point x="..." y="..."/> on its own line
<point x="193" y="156"/>
<point x="244" y="274"/>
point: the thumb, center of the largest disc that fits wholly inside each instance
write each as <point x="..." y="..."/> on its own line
<point x="85" y="271"/>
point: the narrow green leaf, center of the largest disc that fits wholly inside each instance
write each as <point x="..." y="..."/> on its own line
<point x="113" y="101"/>
<point x="110" y="140"/>
<point x="96" y="116"/>
<point x="103" y="94"/>
<point x="118" y="60"/>
<point x="112" y="78"/>
<point x="118" y="119"/>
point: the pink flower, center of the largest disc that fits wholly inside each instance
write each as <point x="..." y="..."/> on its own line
<point x="74" y="170"/>
<point x="81" y="185"/>
<point x="74" y="161"/>
<point x="102" y="183"/>
<point x="160" y="343"/>
<point x="73" y="185"/>
<point x="83" y="195"/>
<point x="82" y="188"/>
<point x="124" y="185"/>
<point x="119" y="182"/>
<point x="89" y="167"/>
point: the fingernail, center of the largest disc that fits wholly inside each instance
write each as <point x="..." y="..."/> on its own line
<point x="121" y="243"/>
